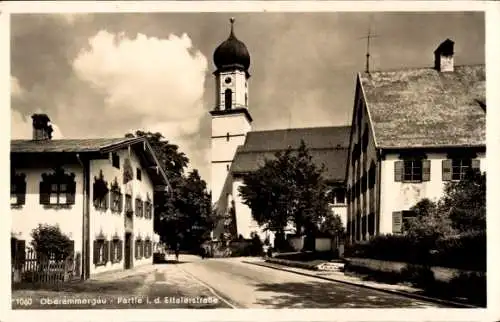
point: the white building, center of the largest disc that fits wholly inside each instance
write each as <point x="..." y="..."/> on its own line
<point x="99" y="192"/>
<point x="237" y="150"/>
<point x="412" y="131"/>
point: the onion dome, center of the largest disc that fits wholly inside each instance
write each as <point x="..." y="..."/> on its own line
<point x="232" y="53"/>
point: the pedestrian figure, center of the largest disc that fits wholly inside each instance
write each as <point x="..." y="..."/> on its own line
<point x="177" y="252"/>
<point x="202" y="251"/>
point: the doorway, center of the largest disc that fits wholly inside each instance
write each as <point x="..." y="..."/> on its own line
<point x="128" y="248"/>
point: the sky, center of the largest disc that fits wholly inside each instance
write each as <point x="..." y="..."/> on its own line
<point x="106" y="74"/>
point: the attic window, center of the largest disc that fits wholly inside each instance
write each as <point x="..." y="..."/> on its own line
<point x="138" y="174"/>
<point x="115" y="160"/>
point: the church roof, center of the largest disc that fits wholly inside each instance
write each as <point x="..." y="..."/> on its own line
<point x="422" y="107"/>
<point x="327" y="145"/>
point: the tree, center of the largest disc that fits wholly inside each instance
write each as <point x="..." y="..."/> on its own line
<point x="185" y="214"/>
<point x="461" y="209"/>
<point x="49" y="241"/>
<point x="287" y="189"/>
<point x="332" y="226"/>
<point x="465" y="202"/>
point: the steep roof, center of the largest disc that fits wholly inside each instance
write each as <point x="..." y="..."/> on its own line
<point x="327" y="145"/>
<point x="424" y="107"/>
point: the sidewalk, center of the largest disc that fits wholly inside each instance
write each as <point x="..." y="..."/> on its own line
<point x="336" y="276"/>
<point x="123" y="273"/>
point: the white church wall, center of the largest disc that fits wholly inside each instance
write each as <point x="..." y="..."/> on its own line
<point x="245" y="224"/>
<point x="230" y="123"/>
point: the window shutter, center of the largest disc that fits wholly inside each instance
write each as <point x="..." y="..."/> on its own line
<point x="398" y="171"/>
<point x="21" y="198"/>
<point x="106" y="201"/>
<point x="106" y="251"/>
<point x="44" y="193"/>
<point x="70" y="194"/>
<point x="426" y="170"/>
<point x="120" y="250"/>
<point x="476" y="164"/>
<point x="120" y="202"/>
<point x="96" y="252"/>
<point x="112" y="251"/>
<point x="21" y="251"/>
<point x="397" y="222"/>
<point x="446" y="170"/>
<point x="136" y="249"/>
<point x="72" y="249"/>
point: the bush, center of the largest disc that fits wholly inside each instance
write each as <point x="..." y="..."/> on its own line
<point x="50" y="242"/>
<point x="466" y="251"/>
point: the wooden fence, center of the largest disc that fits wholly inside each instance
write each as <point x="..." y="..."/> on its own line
<point x="40" y="270"/>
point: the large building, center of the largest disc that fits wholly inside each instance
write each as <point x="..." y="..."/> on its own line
<point x="98" y="191"/>
<point x="237" y="150"/>
<point x="413" y="130"/>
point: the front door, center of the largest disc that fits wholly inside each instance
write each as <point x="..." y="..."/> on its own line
<point x="128" y="248"/>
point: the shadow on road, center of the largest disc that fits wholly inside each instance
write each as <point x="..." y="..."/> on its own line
<point x="169" y="261"/>
<point x="328" y="295"/>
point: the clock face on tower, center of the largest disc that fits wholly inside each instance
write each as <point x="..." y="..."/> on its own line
<point x="228" y="80"/>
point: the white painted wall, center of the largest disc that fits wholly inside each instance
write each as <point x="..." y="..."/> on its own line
<point x="27" y="217"/>
<point x="110" y="223"/>
<point x="323" y="244"/>
<point x="237" y="85"/>
<point x="398" y="196"/>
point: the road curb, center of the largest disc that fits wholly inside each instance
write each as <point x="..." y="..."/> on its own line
<point x="406" y="294"/>
<point x="217" y="294"/>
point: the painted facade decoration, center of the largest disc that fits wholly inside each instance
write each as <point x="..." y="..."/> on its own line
<point x="78" y="185"/>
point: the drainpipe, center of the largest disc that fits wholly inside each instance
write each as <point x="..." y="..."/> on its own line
<point x="86" y="221"/>
<point x="379" y="195"/>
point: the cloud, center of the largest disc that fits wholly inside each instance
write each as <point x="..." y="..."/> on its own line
<point x="21" y="127"/>
<point x="149" y="83"/>
<point x="15" y="87"/>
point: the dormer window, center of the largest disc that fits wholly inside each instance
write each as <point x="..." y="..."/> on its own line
<point x="18" y="189"/>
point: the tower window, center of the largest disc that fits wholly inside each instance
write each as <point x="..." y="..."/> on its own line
<point x="227" y="136"/>
<point x="228" y="97"/>
<point x="246" y="99"/>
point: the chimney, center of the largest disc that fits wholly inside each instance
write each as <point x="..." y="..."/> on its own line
<point x="443" y="56"/>
<point x="42" y="130"/>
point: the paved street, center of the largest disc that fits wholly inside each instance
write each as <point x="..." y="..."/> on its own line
<point x="251" y="286"/>
<point x="197" y="283"/>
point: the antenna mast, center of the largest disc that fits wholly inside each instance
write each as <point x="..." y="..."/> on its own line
<point x="368" y="37"/>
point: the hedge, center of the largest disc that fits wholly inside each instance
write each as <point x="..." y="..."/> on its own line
<point x="467" y="251"/>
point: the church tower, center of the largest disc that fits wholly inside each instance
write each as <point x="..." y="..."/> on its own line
<point x="230" y="117"/>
